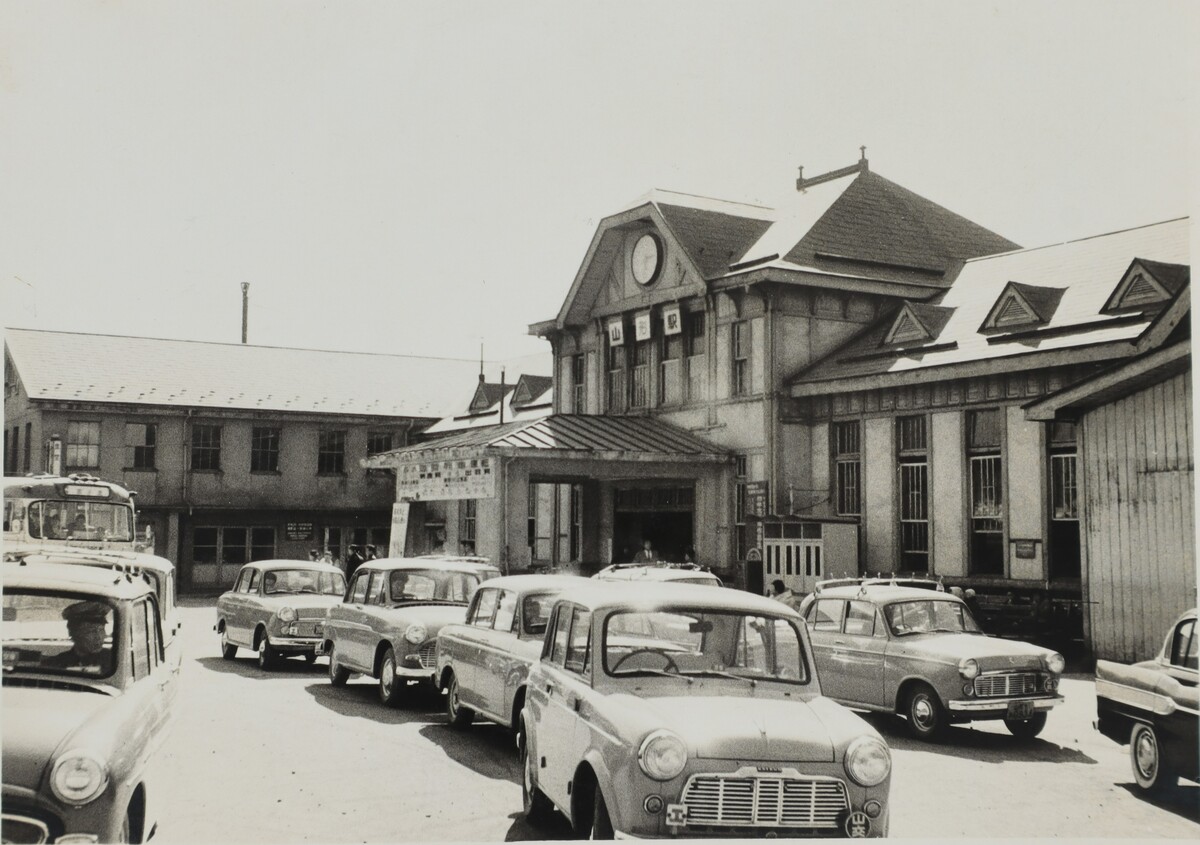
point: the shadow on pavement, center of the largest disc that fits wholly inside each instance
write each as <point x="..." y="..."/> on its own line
<point x="555" y="828"/>
<point x="967" y="743"/>
<point x="361" y="699"/>
<point x="1182" y="800"/>
<point x="247" y="667"/>
<point x="484" y="748"/>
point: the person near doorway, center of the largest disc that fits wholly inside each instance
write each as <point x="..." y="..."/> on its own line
<point x="647" y="554"/>
<point x="783" y="594"/>
<point x="372" y="552"/>
<point x="354" y="559"/>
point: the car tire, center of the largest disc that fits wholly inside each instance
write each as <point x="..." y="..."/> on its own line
<point x="391" y="685"/>
<point x="1150" y="770"/>
<point x="338" y="674"/>
<point x="1026" y="728"/>
<point x="926" y="716"/>
<point x="228" y="649"/>
<point x="458" y="714"/>
<point x="599" y="825"/>
<point x="535" y="803"/>
<point x="268" y="657"/>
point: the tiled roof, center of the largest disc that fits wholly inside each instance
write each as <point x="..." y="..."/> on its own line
<point x="534" y="386"/>
<point x="569" y="433"/>
<point x="1087" y="270"/>
<point x="714" y="240"/>
<point x="75" y="367"/>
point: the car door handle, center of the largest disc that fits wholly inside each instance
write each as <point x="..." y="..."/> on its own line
<point x="549" y="689"/>
<point x="839" y="642"/>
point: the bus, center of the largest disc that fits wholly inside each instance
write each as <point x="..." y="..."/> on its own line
<point x="76" y="511"/>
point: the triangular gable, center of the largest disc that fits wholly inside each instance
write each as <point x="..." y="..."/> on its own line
<point x="529" y="388"/>
<point x="916" y="323"/>
<point x="1147" y="285"/>
<point x="480" y="401"/>
<point x="1022" y="306"/>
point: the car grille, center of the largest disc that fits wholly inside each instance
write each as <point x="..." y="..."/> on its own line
<point x="22" y="829"/>
<point x="738" y="800"/>
<point x="310" y="613"/>
<point x="1004" y="685"/>
<point x="428" y="654"/>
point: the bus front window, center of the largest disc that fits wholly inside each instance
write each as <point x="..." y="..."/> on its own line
<point x="80" y="521"/>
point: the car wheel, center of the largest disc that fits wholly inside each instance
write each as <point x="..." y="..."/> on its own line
<point x="268" y="657"/>
<point x="536" y="805"/>
<point x="1145" y="754"/>
<point x="228" y="649"/>
<point x="338" y="674"/>
<point x="600" y="826"/>
<point x="926" y="717"/>
<point x="390" y="684"/>
<point x="459" y="714"/>
<point x="1026" y="728"/>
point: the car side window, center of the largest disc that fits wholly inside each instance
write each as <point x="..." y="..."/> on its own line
<point x="562" y="623"/>
<point x="139" y="652"/>
<point x="578" y="641"/>
<point x="252" y="587"/>
<point x="827" y="614"/>
<point x="506" y="611"/>
<point x="1185" y="646"/>
<point x="485" y="608"/>
<point x="358" y="593"/>
<point x="153" y="638"/>
<point x="376" y="588"/>
<point x="860" y="619"/>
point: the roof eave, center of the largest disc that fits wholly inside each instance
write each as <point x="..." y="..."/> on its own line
<point x="1113" y="383"/>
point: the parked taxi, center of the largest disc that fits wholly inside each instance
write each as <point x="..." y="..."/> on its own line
<point x="916" y="650"/>
<point x="681" y="573"/>
<point x="387" y="626"/>
<point x="277" y="608"/>
<point x="88" y="698"/>
<point x="679" y="710"/>
<point x="1154" y="707"/>
<point x="483" y="664"/>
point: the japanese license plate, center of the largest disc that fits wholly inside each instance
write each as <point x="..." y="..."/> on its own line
<point x="677" y="815"/>
<point x="1020" y="709"/>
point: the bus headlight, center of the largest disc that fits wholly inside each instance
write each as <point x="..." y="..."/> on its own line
<point x="868" y="761"/>
<point x="662" y="755"/>
<point x="78" y="777"/>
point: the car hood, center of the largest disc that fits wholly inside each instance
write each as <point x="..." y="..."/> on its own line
<point x="297" y="601"/>
<point x="432" y="616"/>
<point x="38" y="723"/>
<point x="992" y="653"/>
<point x="733" y="727"/>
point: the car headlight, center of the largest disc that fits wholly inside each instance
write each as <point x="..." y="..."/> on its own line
<point x="868" y="761"/>
<point x="287" y="614"/>
<point x="78" y="777"/>
<point x="968" y="667"/>
<point x="1055" y="663"/>
<point x="415" y="633"/>
<point x="662" y="755"/>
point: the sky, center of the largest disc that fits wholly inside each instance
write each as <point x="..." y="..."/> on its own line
<point x="423" y="178"/>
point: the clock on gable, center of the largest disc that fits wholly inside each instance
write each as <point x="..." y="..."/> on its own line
<point x="647" y="258"/>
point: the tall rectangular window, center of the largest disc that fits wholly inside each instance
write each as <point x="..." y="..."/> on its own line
<point x="576" y="519"/>
<point x="740" y="377"/>
<point x="331" y="453"/>
<point x="141" y="440"/>
<point x="639" y="382"/>
<point x="83" y="444"/>
<point x="695" y="349"/>
<point x="28" y="461"/>
<point x="467" y="509"/>
<point x="670" y="378"/>
<point x="378" y="442"/>
<point x="1065" y="557"/>
<point x="912" y="457"/>
<point x="616" y="378"/>
<point x="578" y="384"/>
<point x="264" y="448"/>
<point x="206" y="446"/>
<point x="741" y="473"/>
<point x="847" y="468"/>
<point x="11" y="448"/>
<point x="986" y="468"/>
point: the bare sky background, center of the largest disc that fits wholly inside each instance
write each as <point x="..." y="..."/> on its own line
<point x="412" y="177"/>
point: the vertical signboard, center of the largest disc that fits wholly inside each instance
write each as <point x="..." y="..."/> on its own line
<point x="672" y="324"/>
<point x="399" y="529"/>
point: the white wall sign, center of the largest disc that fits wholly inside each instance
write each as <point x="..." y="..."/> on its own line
<point x="616" y="333"/>
<point x="641" y="326"/>
<point x="672" y="322"/>
<point x="458" y="478"/>
<point x="399" y="537"/>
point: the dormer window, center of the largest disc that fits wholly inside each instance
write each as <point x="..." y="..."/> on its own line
<point x="481" y="401"/>
<point x="1022" y="306"/>
<point x="917" y="324"/>
<point x="1146" y="286"/>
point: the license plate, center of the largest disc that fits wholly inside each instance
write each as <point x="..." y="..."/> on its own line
<point x="677" y="815"/>
<point x="1020" y="709"/>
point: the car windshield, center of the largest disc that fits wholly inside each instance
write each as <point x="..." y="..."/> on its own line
<point x="62" y="634"/>
<point x="703" y="642"/>
<point x="928" y="616"/>
<point x="80" y="521"/>
<point x="433" y="585"/>
<point x="303" y="581"/>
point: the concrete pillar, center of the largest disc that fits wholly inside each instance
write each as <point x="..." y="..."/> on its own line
<point x="879" y="494"/>
<point x="948" y="486"/>
<point x="1025" y="470"/>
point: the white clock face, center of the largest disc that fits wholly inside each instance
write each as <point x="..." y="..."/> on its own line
<point x="647" y="256"/>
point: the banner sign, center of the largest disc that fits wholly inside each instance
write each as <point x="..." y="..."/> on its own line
<point x="399" y="536"/>
<point x="299" y="530"/>
<point x="641" y="327"/>
<point x="672" y="322"/>
<point x="457" y="478"/>
<point x="616" y="332"/>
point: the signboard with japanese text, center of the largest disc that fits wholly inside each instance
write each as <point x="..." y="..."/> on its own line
<point x="455" y="478"/>
<point x="399" y="535"/>
<point x="672" y="321"/>
<point x="641" y="327"/>
<point x="616" y="332"/>
<point x="299" y="530"/>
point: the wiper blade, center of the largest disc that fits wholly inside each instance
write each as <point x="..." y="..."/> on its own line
<point x="659" y="672"/>
<point x="720" y="673"/>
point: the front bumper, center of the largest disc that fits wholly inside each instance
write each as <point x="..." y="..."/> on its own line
<point x="1000" y="705"/>
<point x="296" y="645"/>
<point x="26" y="812"/>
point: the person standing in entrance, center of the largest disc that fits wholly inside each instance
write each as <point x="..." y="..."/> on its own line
<point x="782" y="593"/>
<point x="647" y="554"/>
<point x="354" y="559"/>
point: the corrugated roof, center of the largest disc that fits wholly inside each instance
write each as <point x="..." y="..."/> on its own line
<point x="67" y="366"/>
<point x="568" y="433"/>
<point x="1088" y="270"/>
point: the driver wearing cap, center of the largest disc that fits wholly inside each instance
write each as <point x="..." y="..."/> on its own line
<point x="87" y="623"/>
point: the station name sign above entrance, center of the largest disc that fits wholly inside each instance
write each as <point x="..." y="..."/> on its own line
<point x="460" y="478"/>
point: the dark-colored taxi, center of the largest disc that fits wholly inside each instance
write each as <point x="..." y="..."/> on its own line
<point x="1154" y="707"/>
<point x="87" y="703"/>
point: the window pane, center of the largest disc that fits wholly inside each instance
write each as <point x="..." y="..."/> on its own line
<point x="506" y="611"/>
<point x="331" y="452"/>
<point x="984" y="429"/>
<point x="264" y="449"/>
<point x="577" y="643"/>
